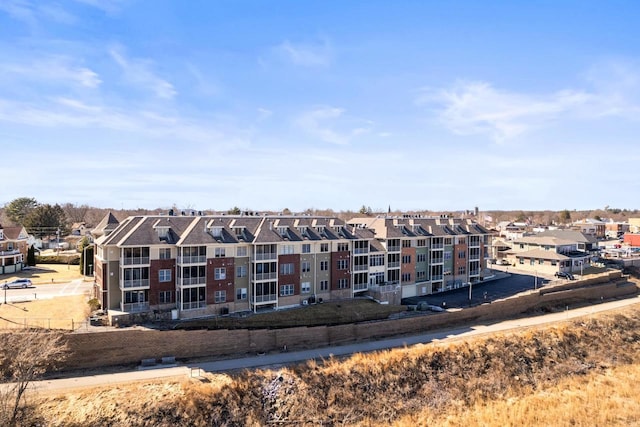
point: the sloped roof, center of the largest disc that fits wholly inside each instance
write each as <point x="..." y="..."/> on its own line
<point x="106" y="225"/>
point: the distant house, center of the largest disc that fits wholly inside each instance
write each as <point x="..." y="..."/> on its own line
<point x="13" y="249"/>
<point x="511" y="230"/>
<point x="80" y="229"/>
<point x="594" y="227"/>
<point x="553" y="251"/>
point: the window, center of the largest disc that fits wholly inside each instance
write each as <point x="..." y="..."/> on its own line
<point x="241" y="294"/>
<point x="406" y="243"/>
<point x="462" y="270"/>
<point x="241" y="271"/>
<point x="343" y="264"/>
<point x="541" y="261"/>
<point x="421" y="243"/>
<point x="324" y="247"/>
<point x="241" y="251"/>
<point x="220" y="252"/>
<point x="421" y="275"/>
<point x="324" y="265"/>
<point x="216" y="231"/>
<point x="421" y="257"/>
<point x="220" y="296"/>
<point x="164" y="275"/>
<point x="305" y="287"/>
<point x="447" y="255"/>
<point x="286" y="249"/>
<point x="286" y="290"/>
<point x="376" y="260"/>
<point x="220" y="273"/>
<point x="406" y="259"/>
<point x="461" y="240"/>
<point x="462" y="254"/>
<point x="406" y="277"/>
<point x="165" y="253"/>
<point x="447" y="241"/>
<point x="532" y="261"/>
<point x="306" y="248"/>
<point x="306" y="266"/>
<point x="165" y="297"/>
<point x="324" y="285"/>
<point x="343" y="283"/>
<point x="286" y="268"/>
<point x="343" y="247"/>
<point x="193" y="298"/>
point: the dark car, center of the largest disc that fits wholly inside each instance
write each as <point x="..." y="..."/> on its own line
<point x="564" y="275"/>
<point x="18" y="283"/>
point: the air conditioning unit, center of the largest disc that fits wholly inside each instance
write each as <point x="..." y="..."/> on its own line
<point x="305" y="302"/>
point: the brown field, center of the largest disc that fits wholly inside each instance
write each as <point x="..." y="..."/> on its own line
<point x="44" y="273"/>
<point x="581" y="373"/>
<point x="56" y="313"/>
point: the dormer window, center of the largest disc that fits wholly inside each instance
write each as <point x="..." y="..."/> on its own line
<point x="216" y="231"/>
<point x="163" y="232"/>
<point x="282" y="231"/>
<point x="1" y="235"/>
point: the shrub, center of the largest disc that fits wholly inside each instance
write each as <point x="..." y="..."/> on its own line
<point x="94" y="304"/>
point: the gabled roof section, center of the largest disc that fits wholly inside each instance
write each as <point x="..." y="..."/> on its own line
<point x="573" y="235"/>
<point x="106" y="225"/>
<point x="14" y="233"/>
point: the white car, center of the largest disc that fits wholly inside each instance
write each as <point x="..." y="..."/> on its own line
<point x="19" y="283"/>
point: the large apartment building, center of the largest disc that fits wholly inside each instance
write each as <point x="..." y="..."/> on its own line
<point x="199" y="265"/>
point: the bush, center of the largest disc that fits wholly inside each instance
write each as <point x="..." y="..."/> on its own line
<point x="94" y="304"/>
<point x="58" y="259"/>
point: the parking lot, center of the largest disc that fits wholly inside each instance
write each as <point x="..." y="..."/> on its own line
<point x="485" y="291"/>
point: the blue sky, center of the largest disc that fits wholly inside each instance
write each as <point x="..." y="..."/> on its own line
<point x="295" y="104"/>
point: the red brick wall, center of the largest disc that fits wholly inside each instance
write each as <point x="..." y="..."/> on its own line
<point x="155" y="286"/>
<point x="290" y="279"/>
<point x="340" y="274"/>
<point x="220" y="285"/>
<point x="411" y="266"/>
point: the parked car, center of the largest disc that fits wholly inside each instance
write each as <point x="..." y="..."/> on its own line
<point x="564" y="275"/>
<point x="504" y="262"/>
<point x="18" y="283"/>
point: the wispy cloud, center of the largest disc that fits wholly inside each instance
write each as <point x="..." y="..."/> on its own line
<point x="138" y="72"/>
<point x="31" y="13"/>
<point x="59" y="69"/>
<point x="477" y="107"/>
<point x="307" y="55"/>
<point x="109" y="6"/>
<point x="329" y="124"/>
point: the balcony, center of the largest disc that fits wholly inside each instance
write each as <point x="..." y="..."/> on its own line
<point x="360" y="287"/>
<point x="9" y="253"/>
<point x="265" y="276"/>
<point x="360" y="267"/>
<point x="135" y="260"/>
<point x="187" y="281"/>
<point x="393" y="248"/>
<point x="474" y="272"/>
<point x="393" y="264"/>
<point x="437" y="246"/>
<point x="193" y="305"/>
<point x="436" y="277"/>
<point x="135" y="307"/>
<point x="271" y="298"/>
<point x="437" y="260"/>
<point x="361" y="251"/>
<point x="265" y="256"/>
<point x="139" y="283"/>
<point x="195" y="259"/>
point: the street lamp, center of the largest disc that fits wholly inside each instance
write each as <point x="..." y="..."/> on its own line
<point x="470" y="289"/>
<point x="535" y="282"/>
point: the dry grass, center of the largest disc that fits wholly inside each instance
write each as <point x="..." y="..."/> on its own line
<point x="584" y="373"/>
<point x="328" y="313"/>
<point x="56" y="313"/>
<point x="44" y="273"/>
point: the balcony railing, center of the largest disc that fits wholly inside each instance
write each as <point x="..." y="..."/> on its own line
<point x="135" y="260"/>
<point x="140" y="283"/>
<point x="195" y="259"/>
<point x="361" y="251"/>
<point x="265" y="255"/>
<point x="135" y="307"/>
<point x="363" y="267"/>
<point x="360" y="286"/>
<point x="474" y="272"/>
<point x="393" y="264"/>
<point x="436" y="277"/>
<point x="437" y="260"/>
<point x="265" y="276"/>
<point x="437" y="246"/>
<point x="393" y="249"/>
<point x="187" y="281"/>
<point x="193" y="305"/>
<point x="265" y="298"/>
<point x="7" y="253"/>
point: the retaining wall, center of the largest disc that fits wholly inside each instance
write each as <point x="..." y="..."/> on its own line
<point x="117" y="347"/>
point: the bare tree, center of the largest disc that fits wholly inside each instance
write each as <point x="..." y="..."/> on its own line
<point x="75" y="213"/>
<point x="24" y="357"/>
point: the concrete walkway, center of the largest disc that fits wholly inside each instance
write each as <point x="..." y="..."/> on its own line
<point x="278" y="359"/>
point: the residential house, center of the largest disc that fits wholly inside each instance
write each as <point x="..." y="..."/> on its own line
<point x="594" y="227"/>
<point x="615" y="229"/>
<point x="13" y="249"/>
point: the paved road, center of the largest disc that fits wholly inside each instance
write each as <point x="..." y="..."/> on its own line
<point x="75" y="287"/>
<point x="278" y="359"/>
